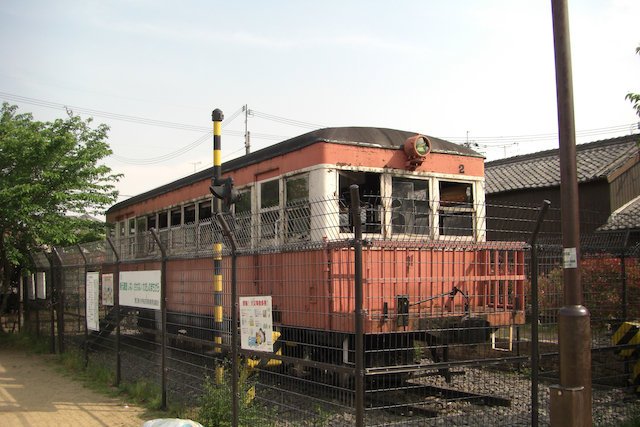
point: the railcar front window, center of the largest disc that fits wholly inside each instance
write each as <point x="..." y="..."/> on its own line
<point x="456" y="209"/>
<point x="297" y="212"/>
<point x="269" y="209"/>
<point x="410" y="206"/>
<point x="370" y="203"/>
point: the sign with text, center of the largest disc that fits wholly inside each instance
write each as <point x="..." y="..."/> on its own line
<point x="140" y="289"/>
<point x="256" y="323"/>
<point x="92" y="299"/>
<point x="41" y="285"/>
<point x="31" y="287"/>
<point x="107" y="289"/>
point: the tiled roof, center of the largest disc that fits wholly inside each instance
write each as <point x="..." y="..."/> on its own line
<point x="627" y="217"/>
<point x="539" y="170"/>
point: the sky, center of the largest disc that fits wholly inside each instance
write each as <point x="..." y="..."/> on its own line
<point x="465" y="70"/>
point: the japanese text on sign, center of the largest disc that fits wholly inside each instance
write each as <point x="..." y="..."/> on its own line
<point x="140" y="289"/>
<point x="256" y="323"/>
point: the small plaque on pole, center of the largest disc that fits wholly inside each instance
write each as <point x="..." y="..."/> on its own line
<point x="570" y="258"/>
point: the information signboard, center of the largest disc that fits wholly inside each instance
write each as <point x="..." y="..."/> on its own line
<point x="140" y="289"/>
<point x="256" y="323"/>
<point x="92" y="299"/>
<point x="107" y="289"/>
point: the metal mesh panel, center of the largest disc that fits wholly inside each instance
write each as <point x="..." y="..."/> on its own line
<point x="447" y="315"/>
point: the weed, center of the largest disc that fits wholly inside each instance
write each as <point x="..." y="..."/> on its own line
<point x="215" y="404"/>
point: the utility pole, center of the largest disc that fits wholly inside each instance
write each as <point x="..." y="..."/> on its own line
<point x="247" y="136"/>
<point x="194" y="165"/>
<point x="571" y="399"/>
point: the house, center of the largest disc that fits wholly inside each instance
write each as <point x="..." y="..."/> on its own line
<point x="627" y="219"/>
<point x="608" y="179"/>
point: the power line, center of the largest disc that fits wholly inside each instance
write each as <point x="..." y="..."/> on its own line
<point x="145" y="121"/>
<point x="286" y="121"/>
<point x="169" y="156"/>
<point x="485" y="141"/>
<point x="103" y="114"/>
<point x="490" y="140"/>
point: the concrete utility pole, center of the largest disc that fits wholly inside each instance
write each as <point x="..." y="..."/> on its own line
<point x="247" y="135"/>
<point x="571" y="399"/>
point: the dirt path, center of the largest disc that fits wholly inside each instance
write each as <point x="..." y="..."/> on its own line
<point x="32" y="393"/>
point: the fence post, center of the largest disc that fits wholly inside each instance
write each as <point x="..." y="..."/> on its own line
<point x="26" y="301"/>
<point x="623" y="277"/>
<point x="54" y="299"/>
<point x="163" y="313"/>
<point x="234" y="317"/>
<point x="86" y="329"/>
<point x="21" y="301"/>
<point x="60" y="285"/>
<point x="359" y="329"/>
<point x="116" y="305"/>
<point x="535" y="313"/>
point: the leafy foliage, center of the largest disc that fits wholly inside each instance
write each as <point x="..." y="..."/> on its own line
<point x="634" y="98"/>
<point x="51" y="182"/>
<point x="602" y="288"/>
<point x="216" y="401"/>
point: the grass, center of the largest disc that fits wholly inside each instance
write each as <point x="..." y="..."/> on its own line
<point x="27" y="342"/>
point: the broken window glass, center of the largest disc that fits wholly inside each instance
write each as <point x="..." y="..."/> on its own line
<point x="410" y="206"/>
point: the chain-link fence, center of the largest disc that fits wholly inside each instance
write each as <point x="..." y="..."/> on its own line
<point x="373" y="312"/>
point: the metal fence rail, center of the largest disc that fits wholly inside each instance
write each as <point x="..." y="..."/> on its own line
<point x="414" y="321"/>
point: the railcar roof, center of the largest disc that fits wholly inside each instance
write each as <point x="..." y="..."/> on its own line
<point x="365" y="136"/>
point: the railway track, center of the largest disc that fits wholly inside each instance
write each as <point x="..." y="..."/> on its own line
<point x="413" y="399"/>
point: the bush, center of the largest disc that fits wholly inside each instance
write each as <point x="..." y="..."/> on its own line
<point x="602" y="288"/>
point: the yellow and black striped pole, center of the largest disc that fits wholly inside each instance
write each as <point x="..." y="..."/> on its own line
<point x="217" y="118"/>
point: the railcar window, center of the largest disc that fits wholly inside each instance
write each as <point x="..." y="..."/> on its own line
<point x="190" y="214"/>
<point x="163" y="220"/>
<point x="132" y="226"/>
<point x="456" y="209"/>
<point x="410" y="206"/>
<point x="176" y="217"/>
<point x="204" y="210"/>
<point x="371" y="210"/>
<point x="269" y="209"/>
<point x="151" y="222"/>
<point x="242" y="210"/>
<point x="121" y="229"/>
<point x="243" y="204"/>
<point x="141" y="224"/>
<point x="189" y="219"/>
<point x="297" y="212"/>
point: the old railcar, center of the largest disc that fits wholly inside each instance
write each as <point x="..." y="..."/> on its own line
<point x="429" y="273"/>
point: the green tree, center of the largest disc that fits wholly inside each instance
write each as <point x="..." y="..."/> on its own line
<point x="51" y="180"/>
<point x="635" y="97"/>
